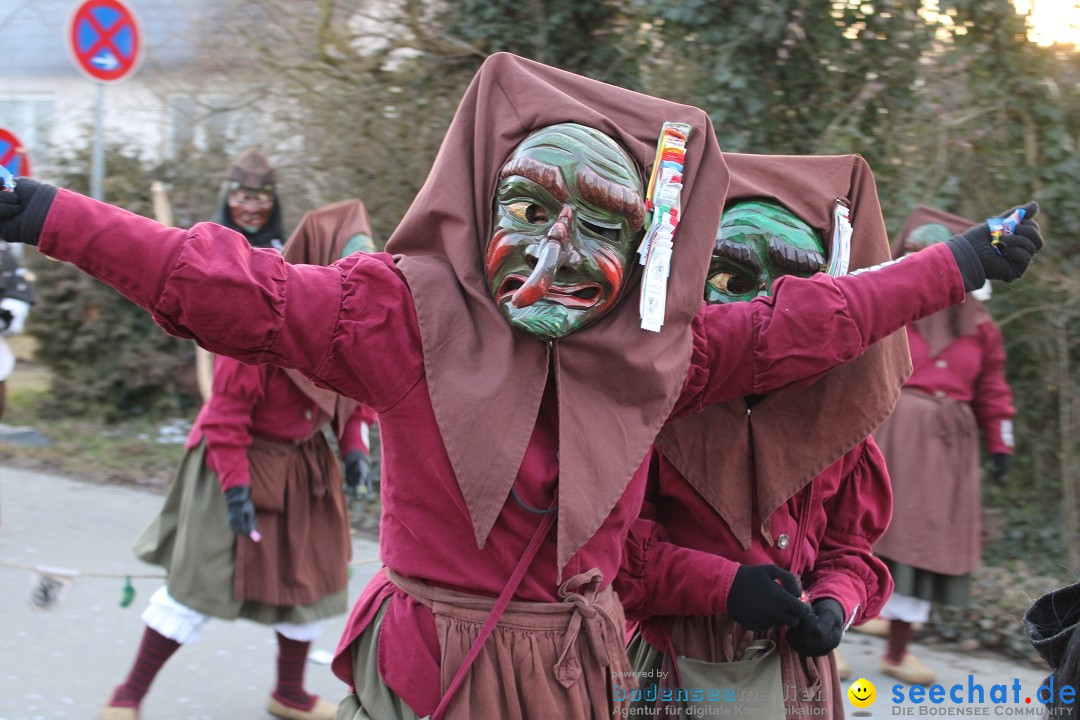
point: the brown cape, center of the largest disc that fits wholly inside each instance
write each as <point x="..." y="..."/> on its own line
<point x="319" y="239"/>
<point x="725" y="452"/>
<point x="616" y="382"/>
<point x="942" y="328"/>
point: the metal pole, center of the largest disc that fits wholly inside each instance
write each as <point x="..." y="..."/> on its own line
<point x="97" y="162"/>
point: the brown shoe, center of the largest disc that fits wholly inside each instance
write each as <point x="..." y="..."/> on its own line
<point x="110" y="712"/>
<point x="321" y="710"/>
<point x="843" y="668"/>
<point x="910" y="670"/>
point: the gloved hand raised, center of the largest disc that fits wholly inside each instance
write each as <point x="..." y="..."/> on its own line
<point x="24" y="209"/>
<point x="820" y="631"/>
<point x="765" y="596"/>
<point x="357" y="473"/>
<point x="979" y="260"/>
<point x="241" y="509"/>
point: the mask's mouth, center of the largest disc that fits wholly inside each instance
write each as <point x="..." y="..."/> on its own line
<point x="579" y="296"/>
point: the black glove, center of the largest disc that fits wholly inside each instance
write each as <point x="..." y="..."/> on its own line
<point x="357" y="473"/>
<point x="1001" y="462"/>
<point x="241" y="509"/>
<point x="765" y="596"/>
<point x="979" y="261"/>
<point x="820" y="631"/>
<point x="24" y="209"/>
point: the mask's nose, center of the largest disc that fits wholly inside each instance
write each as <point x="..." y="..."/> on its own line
<point x="548" y="259"/>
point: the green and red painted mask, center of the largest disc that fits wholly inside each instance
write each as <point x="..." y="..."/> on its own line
<point x="569" y="212"/>
<point x="757" y="243"/>
<point x="926" y="235"/>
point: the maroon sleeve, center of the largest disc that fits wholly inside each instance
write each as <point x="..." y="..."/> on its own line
<point x="226" y="423"/>
<point x="658" y="577"/>
<point x="993" y="401"/>
<point x="858" y="515"/>
<point x="350" y="327"/>
<point x="810" y="325"/>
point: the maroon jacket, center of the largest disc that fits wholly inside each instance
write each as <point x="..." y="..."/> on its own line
<point x="681" y="558"/>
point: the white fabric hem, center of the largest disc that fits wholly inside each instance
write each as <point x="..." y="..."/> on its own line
<point x="175" y="621"/>
<point x="906" y="608"/>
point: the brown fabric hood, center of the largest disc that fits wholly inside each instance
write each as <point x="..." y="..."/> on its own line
<point x="319" y="239"/>
<point x="252" y="170"/>
<point x="616" y="382"/>
<point x="942" y="328"/>
<point x="744" y="462"/>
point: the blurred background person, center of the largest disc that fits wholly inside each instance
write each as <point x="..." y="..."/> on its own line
<point x="16" y="297"/>
<point x="255" y="525"/>
<point x="249" y="205"/>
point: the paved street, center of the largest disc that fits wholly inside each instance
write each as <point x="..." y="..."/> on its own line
<point x="62" y="662"/>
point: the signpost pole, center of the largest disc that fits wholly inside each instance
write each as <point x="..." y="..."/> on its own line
<point x="97" y="161"/>
<point x="105" y="44"/>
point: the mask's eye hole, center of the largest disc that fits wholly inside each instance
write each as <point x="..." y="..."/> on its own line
<point x="528" y="212"/>
<point x="612" y="234"/>
<point x="731" y="283"/>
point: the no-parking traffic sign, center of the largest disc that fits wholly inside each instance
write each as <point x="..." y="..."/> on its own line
<point x="104" y="40"/>
<point x="13" y="154"/>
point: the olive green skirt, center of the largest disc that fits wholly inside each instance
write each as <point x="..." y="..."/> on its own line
<point x="192" y="540"/>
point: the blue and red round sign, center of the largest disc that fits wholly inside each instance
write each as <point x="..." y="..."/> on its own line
<point x="104" y="40"/>
<point x="13" y="155"/>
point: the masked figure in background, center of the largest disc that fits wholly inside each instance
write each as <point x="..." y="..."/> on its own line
<point x="249" y="205"/>
<point x="957" y="392"/>
<point x="255" y="525"/>
<point x="754" y="501"/>
<point x="500" y="340"/>
<point x="16" y="297"/>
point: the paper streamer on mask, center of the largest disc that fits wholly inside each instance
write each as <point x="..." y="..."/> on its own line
<point x="663" y="202"/>
<point x="841" y="240"/>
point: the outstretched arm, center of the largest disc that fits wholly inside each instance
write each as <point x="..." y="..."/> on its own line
<point x="350" y="326"/>
<point x="810" y="325"/>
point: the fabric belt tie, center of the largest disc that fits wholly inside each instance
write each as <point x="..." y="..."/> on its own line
<point x="588" y="614"/>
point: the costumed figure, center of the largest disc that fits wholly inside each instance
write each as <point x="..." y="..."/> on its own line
<point x="753" y="501"/>
<point x="957" y="392"/>
<point x="249" y="205"/>
<point x="16" y="297"/>
<point x="500" y="340"/>
<point x="249" y="201"/>
<point x="255" y="525"/>
<point x="1051" y="623"/>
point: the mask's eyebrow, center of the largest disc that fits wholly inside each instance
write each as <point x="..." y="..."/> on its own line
<point x="739" y="252"/>
<point x="546" y="176"/>
<point x="792" y="259"/>
<point x="604" y="193"/>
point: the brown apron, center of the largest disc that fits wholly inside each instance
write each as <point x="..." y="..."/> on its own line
<point x="575" y="646"/>
<point x="931" y="446"/>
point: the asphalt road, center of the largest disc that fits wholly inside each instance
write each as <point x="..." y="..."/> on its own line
<point x="62" y="662"/>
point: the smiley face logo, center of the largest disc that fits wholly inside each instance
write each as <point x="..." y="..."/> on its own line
<point x="862" y="693"/>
